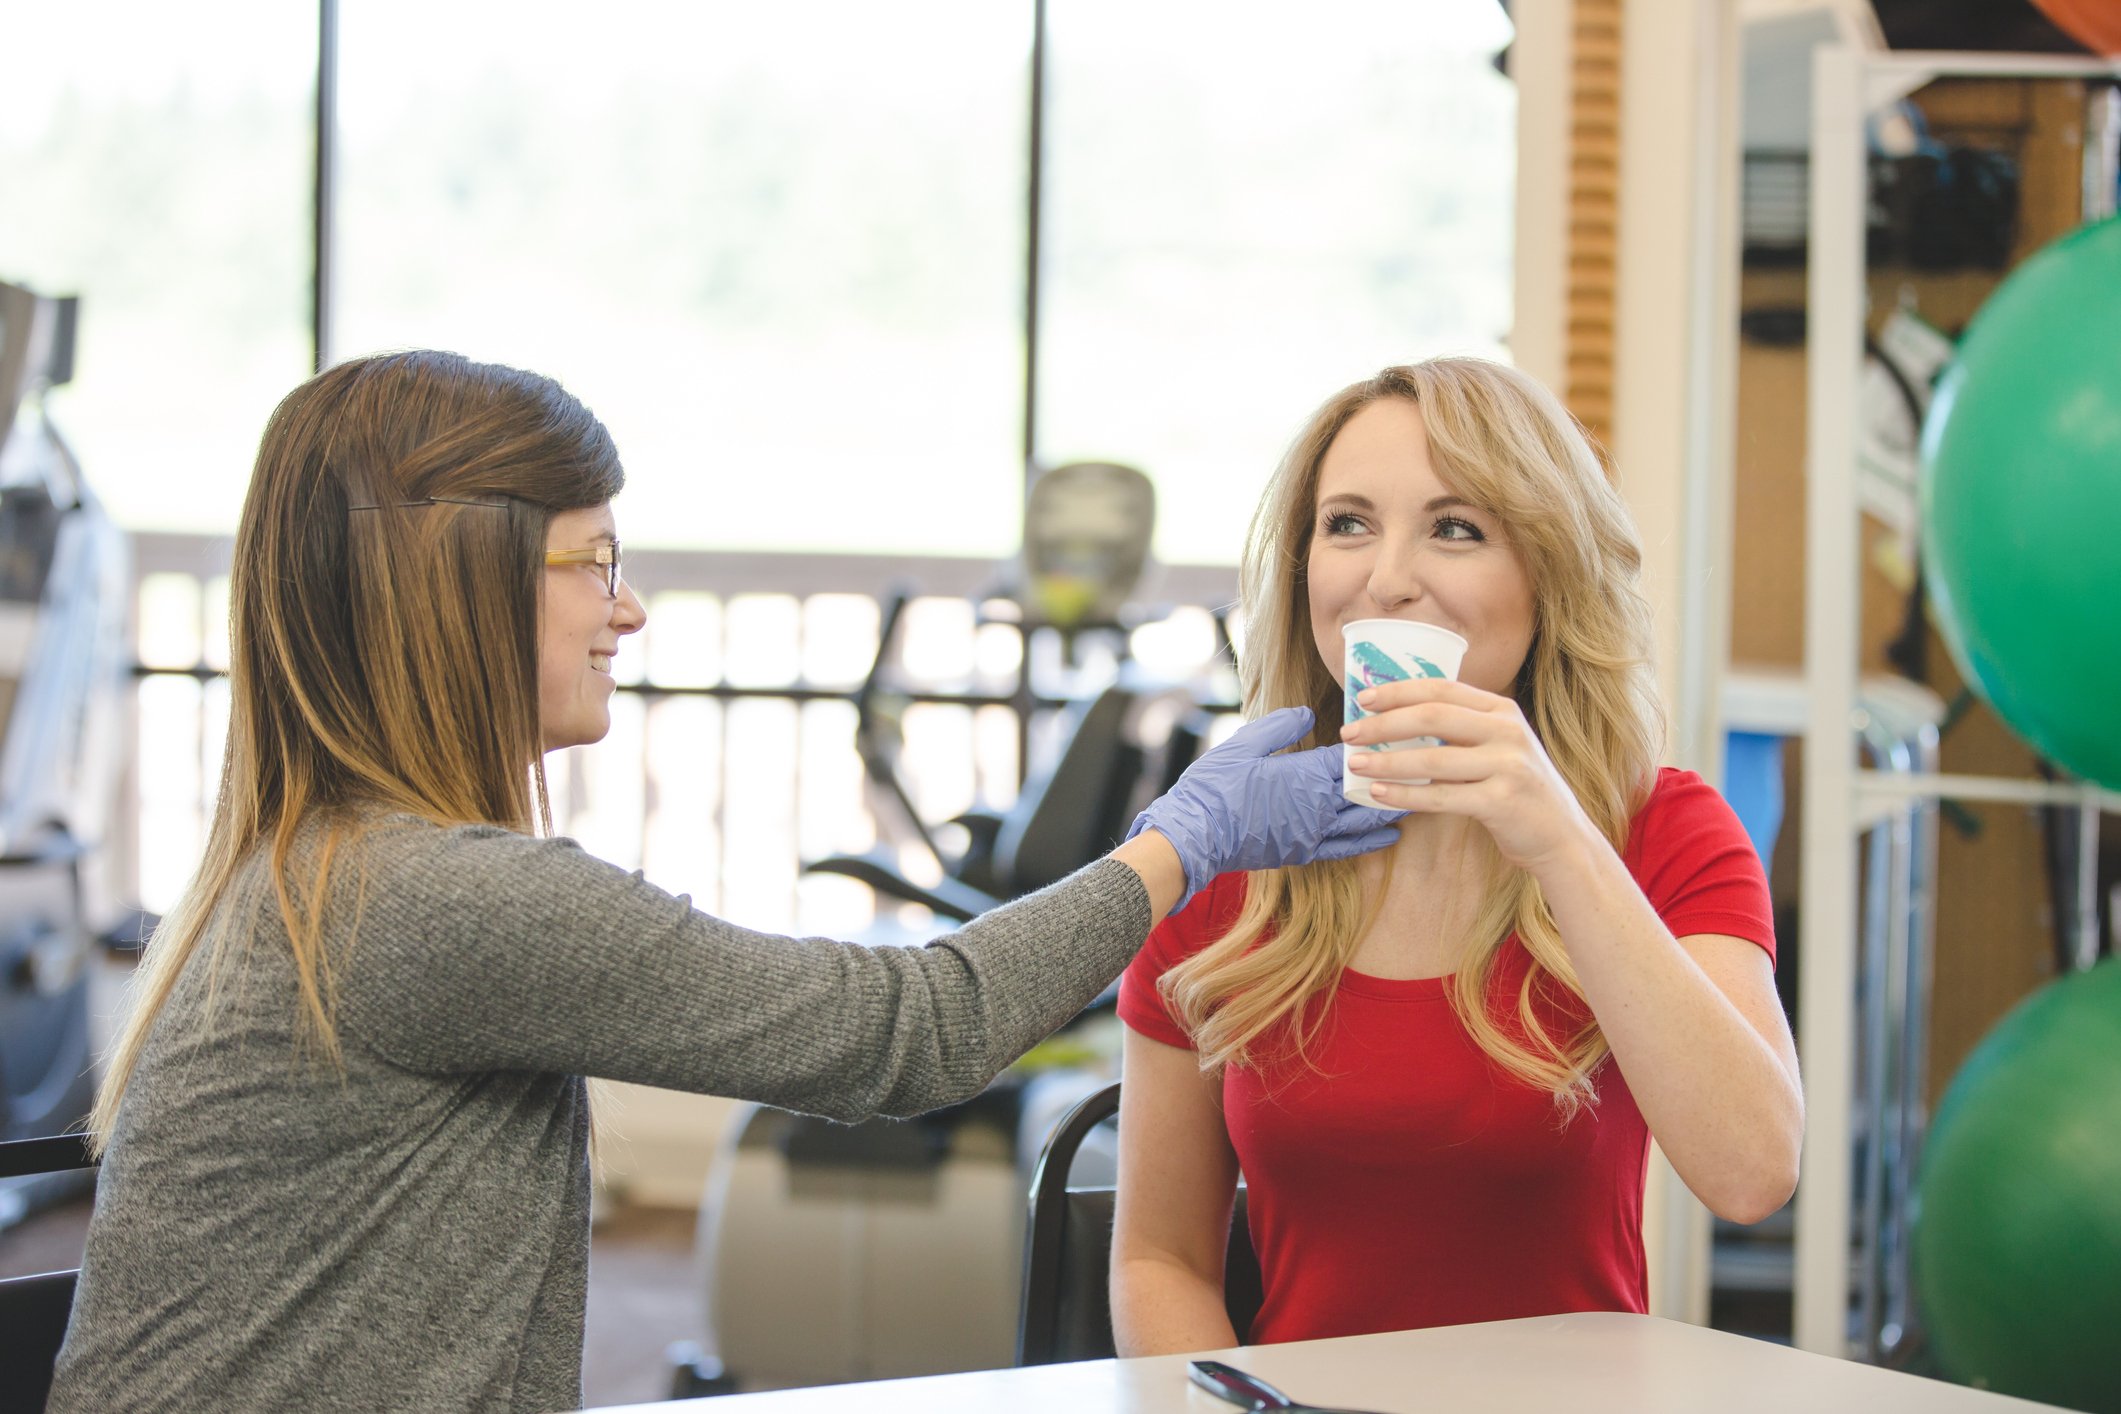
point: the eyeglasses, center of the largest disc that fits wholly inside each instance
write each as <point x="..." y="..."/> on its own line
<point x="606" y="556"/>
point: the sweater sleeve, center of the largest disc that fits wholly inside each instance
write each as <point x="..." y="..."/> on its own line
<point x="477" y="949"/>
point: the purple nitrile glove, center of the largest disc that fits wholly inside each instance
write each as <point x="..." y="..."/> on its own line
<point x="1241" y="806"/>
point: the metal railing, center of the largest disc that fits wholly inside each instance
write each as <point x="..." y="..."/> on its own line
<point x="731" y="754"/>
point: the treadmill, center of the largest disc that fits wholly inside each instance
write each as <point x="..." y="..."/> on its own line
<point x="64" y="579"/>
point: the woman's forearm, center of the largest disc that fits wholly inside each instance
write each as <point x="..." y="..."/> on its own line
<point x="1151" y="856"/>
<point x="1161" y="1306"/>
<point x="1721" y="1101"/>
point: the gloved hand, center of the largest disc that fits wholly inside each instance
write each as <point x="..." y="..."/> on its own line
<point x="1243" y="807"/>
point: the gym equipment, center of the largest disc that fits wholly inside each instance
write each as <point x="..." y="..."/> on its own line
<point x="2017" y="1241"/>
<point x="1898" y="726"/>
<point x="63" y="582"/>
<point x="2021" y="503"/>
<point x="1070" y="809"/>
<point x="2096" y="24"/>
<point x="63" y="579"/>
<point x="1087" y="527"/>
<point x="841" y="1252"/>
<point x="1085" y="544"/>
<point x="1985" y="26"/>
<point x="1900" y="731"/>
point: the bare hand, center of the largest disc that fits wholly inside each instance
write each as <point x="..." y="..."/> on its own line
<point x="1491" y="766"/>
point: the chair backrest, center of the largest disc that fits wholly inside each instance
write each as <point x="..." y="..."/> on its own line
<point x="1067" y="1310"/>
<point x="34" y="1310"/>
<point x="33" y="1315"/>
<point x="1183" y="745"/>
<point x="1068" y="814"/>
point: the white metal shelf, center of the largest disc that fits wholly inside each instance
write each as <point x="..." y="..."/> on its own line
<point x="1887" y="785"/>
<point x="1839" y="800"/>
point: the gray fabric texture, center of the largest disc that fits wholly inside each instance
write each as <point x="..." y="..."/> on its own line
<point x="270" y="1234"/>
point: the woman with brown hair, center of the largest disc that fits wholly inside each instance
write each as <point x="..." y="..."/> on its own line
<point x="1439" y="1067"/>
<point x="345" y="1129"/>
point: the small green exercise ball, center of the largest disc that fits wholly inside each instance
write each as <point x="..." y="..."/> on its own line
<point x="2021" y="502"/>
<point x="2017" y="1237"/>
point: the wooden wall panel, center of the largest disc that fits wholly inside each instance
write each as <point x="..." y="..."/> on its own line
<point x="1594" y="215"/>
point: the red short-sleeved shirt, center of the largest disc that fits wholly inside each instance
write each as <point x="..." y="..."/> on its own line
<point x="1408" y="1181"/>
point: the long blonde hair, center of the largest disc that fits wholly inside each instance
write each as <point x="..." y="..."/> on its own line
<point x="1499" y="439"/>
<point x="383" y="640"/>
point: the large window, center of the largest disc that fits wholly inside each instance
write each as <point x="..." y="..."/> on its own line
<point x="780" y="248"/>
<point x="1250" y="207"/>
<point x="155" y="159"/>
<point x="777" y="247"/>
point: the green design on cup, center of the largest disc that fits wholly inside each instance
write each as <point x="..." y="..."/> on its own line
<point x="1373" y="666"/>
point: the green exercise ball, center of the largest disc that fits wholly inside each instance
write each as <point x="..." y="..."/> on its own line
<point x="2017" y="1234"/>
<point x="2021" y="502"/>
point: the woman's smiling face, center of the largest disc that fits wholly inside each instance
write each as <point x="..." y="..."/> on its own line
<point x="582" y="623"/>
<point x="1389" y="540"/>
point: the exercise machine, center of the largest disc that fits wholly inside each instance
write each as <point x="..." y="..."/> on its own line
<point x="63" y="584"/>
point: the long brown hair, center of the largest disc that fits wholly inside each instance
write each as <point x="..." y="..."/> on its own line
<point x="1587" y="686"/>
<point x="383" y="638"/>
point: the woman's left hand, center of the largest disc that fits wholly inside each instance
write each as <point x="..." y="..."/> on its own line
<point x="1490" y="767"/>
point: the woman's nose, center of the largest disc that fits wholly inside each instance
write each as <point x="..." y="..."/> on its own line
<point x="1395" y="576"/>
<point x="628" y="614"/>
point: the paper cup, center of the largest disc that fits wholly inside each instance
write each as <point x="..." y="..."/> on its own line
<point x="1391" y="650"/>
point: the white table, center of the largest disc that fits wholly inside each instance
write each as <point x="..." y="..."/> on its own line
<point x="1594" y="1363"/>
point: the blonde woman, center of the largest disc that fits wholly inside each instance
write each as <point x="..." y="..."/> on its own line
<point x="1439" y="1067"/>
<point x="345" y="1130"/>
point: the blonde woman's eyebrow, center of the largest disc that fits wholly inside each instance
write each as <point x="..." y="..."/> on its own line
<point x="1363" y="503"/>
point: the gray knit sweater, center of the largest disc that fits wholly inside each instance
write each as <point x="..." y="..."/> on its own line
<point x="414" y="1234"/>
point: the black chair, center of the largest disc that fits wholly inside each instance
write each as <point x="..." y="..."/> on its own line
<point x="34" y="1309"/>
<point x="1067" y="1307"/>
<point x="1067" y="815"/>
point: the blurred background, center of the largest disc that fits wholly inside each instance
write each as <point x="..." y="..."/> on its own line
<point x="785" y="253"/>
<point x="948" y="345"/>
